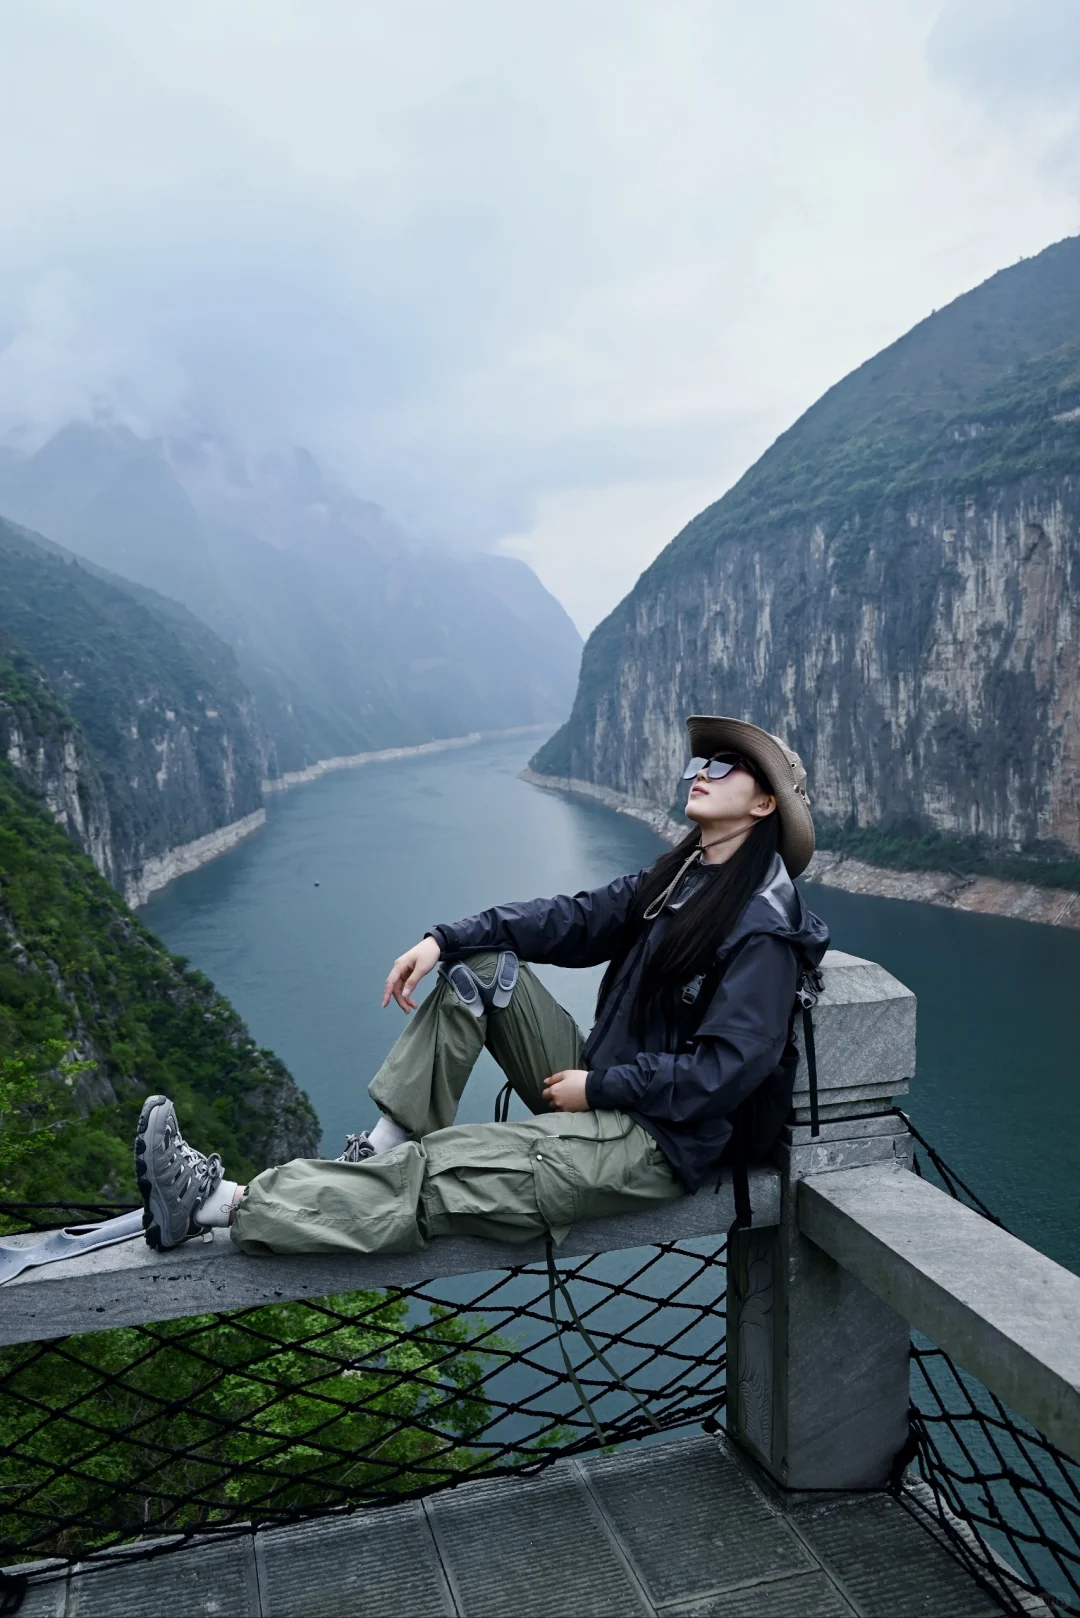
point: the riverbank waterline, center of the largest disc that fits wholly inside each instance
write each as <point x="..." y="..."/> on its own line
<point x="299" y="927"/>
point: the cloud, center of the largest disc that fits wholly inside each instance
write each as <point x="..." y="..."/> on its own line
<point x="526" y="274"/>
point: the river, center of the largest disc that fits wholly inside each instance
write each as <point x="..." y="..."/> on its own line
<point x="299" y="924"/>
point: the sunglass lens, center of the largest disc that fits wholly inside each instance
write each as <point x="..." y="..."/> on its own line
<point x="715" y="768"/>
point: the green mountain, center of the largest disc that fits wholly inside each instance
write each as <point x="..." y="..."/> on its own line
<point x="168" y="747"/>
<point x="95" y="1014"/>
<point x="894" y="587"/>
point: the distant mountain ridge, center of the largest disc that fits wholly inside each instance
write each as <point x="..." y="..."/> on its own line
<point x="894" y="586"/>
<point x="351" y="634"/>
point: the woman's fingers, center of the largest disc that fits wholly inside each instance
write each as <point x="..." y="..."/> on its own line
<point x="394" y="983"/>
<point x="407" y="971"/>
<point x="565" y="1091"/>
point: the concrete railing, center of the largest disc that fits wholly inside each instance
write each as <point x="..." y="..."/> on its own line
<point x="820" y="1306"/>
<point x="128" y="1285"/>
<point x="848" y="1249"/>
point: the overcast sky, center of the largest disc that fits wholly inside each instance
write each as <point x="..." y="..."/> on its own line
<point x="535" y="274"/>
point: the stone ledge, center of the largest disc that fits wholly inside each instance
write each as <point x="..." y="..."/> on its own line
<point x="1006" y="1313"/>
<point x="128" y="1285"/>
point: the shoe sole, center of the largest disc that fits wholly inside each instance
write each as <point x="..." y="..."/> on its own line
<point x="151" y="1225"/>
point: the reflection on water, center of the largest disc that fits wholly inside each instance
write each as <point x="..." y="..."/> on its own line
<point x="299" y="925"/>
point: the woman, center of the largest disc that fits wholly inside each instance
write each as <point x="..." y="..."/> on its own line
<point x="703" y="952"/>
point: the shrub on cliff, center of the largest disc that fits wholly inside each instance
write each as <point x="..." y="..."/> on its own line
<point x="77" y="967"/>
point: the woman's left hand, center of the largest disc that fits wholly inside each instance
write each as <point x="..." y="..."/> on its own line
<point x="565" y="1092"/>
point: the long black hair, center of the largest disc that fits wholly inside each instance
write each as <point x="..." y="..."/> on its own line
<point x="698" y="927"/>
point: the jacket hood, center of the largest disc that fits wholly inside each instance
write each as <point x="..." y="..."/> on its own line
<point x="780" y="909"/>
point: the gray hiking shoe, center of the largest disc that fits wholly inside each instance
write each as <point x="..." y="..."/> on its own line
<point x="357" y="1149"/>
<point x="174" y="1179"/>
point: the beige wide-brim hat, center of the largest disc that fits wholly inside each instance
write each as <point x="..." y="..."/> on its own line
<point x="783" y="769"/>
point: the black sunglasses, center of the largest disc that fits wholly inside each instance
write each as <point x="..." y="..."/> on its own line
<point x="716" y="768"/>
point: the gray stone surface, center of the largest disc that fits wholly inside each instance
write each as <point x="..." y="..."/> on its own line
<point x="691" y="1522"/>
<point x="864" y="1030"/>
<point x="44" y="1599"/>
<point x="128" y="1285"/>
<point x="1005" y="1312"/>
<point x="807" y="1595"/>
<point x="536" y="1548"/>
<point x="908" y="1576"/>
<point x="204" y="1582"/>
<point x="376" y="1564"/>
<point x="817" y="1365"/>
<point x="882" y="1122"/>
<point x="681" y="1529"/>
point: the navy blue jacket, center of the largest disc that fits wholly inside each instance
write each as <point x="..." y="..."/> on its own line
<point x="684" y="1073"/>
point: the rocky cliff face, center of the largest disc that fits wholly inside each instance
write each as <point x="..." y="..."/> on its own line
<point x="895" y="589"/>
<point x="43" y="744"/>
<point x="160" y="747"/>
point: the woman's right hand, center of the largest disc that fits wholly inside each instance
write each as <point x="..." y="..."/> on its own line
<point x="407" y="971"/>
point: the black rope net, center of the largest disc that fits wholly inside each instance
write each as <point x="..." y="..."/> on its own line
<point x="1006" y="1499"/>
<point x="225" y="1422"/>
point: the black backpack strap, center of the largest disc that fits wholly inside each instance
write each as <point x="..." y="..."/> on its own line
<point x="740" y="1185"/>
<point x="811" y="1067"/>
<point x="807" y="992"/>
<point x="740" y="1180"/>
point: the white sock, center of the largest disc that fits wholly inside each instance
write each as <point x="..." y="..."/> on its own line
<point x="386" y="1135"/>
<point x="215" y="1210"/>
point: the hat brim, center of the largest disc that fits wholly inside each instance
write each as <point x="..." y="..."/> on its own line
<point x="711" y="733"/>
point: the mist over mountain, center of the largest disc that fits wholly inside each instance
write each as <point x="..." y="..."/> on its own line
<point x="351" y="634"/>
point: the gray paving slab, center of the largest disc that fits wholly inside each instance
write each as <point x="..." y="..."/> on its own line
<point x="376" y="1564"/>
<point x="886" y="1563"/>
<point x="44" y="1599"/>
<point x="807" y="1595"/>
<point x="680" y="1530"/>
<point x="203" y="1581"/>
<point x="691" y="1521"/>
<point x="532" y="1548"/>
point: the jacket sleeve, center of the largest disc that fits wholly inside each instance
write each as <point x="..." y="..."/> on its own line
<point x="570" y="930"/>
<point x="739" y="1041"/>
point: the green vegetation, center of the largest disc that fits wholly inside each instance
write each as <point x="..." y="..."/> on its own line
<point x="205" y="1420"/>
<point x="554" y="757"/>
<point x="133" y="667"/>
<point x="78" y="968"/>
<point x="108" y="1436"/>
<point x="1007" y="432"/>
<point x="911" y="850"/>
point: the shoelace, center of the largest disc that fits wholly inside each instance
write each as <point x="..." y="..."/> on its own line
<point x="354" y="1149"/>
<point x="207" y="1172"/>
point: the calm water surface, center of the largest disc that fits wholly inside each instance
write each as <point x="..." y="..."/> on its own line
<point x="299" y="925"/>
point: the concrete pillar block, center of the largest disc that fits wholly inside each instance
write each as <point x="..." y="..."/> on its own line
<point x="817" y="1363"/>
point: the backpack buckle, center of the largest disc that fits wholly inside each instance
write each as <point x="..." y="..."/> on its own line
<point x="692" y="989"/>
<point x="809" y="987"/>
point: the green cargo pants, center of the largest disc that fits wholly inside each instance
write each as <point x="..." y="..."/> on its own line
<point x="512" y="1181"/>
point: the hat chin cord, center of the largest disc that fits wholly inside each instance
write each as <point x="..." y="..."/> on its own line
<point x="727" y="837"/>
<point x="651" y="912"/>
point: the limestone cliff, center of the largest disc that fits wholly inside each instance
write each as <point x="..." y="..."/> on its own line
<point x="160" y="748"/>
<point x="895" y="587"/>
